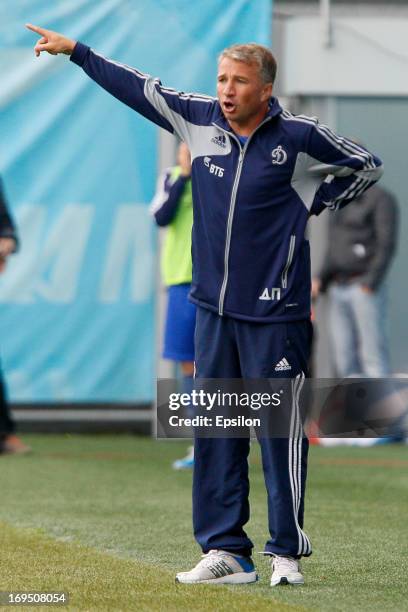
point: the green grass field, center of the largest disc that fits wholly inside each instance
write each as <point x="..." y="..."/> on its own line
<point x="106" y="519"/>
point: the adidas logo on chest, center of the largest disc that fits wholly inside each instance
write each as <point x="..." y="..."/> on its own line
<point x="220" y="140"/>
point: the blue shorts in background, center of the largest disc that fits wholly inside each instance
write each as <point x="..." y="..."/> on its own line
<point x="180" y="324"/>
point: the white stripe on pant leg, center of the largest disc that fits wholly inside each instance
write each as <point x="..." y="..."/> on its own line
<point x="305" y="540"/>
<point x="299" y="462"/>
<point x="297" y="453"/>
<point x="295" y="459"/>
<point x="299" y="472"/>
<point x="294" y="385"/>
<point x="307" y="546"/>
<point x="290" y="450"/>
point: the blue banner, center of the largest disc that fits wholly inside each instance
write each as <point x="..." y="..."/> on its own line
<point x="77" y="303"/>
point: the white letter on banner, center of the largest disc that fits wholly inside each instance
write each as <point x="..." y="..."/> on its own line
<point x="57" y="250"/>
<point x="63" y="254"/>
<point x="130" y="251"/>
<point x="50" y="260"/>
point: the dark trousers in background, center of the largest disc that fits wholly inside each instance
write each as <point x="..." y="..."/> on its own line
<point x="7" y="425"/>
<point x="229" y="348"/>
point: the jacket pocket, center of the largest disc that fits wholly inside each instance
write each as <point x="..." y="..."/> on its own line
<point x="285" y="271"/>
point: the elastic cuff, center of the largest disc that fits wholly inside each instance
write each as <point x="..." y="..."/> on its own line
<point x="79" y="53"/>
<point x="245" y="553"/>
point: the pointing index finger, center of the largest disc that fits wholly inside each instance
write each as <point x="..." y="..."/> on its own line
<point x="36" y="29"/>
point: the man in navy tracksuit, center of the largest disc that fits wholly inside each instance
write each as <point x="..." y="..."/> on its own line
<point x="258" y="172"/>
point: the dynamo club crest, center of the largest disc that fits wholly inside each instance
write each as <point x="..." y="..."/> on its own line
<point x="279" y="156"/>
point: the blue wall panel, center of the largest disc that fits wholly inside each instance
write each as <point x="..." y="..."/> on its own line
<point x="77" y="304"/>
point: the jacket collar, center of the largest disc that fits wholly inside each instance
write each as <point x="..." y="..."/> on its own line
<point x="273" y="110"/>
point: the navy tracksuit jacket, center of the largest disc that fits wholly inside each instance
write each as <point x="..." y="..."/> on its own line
<point x="251" y="268"/>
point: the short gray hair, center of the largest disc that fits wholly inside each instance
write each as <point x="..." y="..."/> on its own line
<point x="252" y="53"/>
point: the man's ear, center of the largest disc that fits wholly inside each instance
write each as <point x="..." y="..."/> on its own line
<point x="266" y="92"/>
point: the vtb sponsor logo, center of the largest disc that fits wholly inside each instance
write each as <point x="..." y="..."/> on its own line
<point x="216" y="170"/>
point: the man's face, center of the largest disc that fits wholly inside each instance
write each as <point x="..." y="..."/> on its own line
<point x="240" y="91"/>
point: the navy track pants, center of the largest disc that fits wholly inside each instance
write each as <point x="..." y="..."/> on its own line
<point x="231" y="348"/>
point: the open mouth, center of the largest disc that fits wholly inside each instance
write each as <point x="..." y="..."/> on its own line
<point x="229" y="107"/>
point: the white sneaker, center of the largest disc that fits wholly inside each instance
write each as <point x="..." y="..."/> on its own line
<point x="219" y="566"/>
<point x="285" y="570"/>
<point x="187" y="463"/>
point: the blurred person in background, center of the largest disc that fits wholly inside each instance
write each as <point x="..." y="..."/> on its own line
<point x="9" y="442"/>
<point x="172" y="207"/>
<point x="362" y="241"/>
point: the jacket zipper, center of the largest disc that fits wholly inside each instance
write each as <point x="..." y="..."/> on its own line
<point x="232" y="209"/>
<point x="292" y="243"/>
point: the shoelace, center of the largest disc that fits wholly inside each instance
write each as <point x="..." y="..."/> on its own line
<point x="285" y="564"/>
<point x="210" y="557"/>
